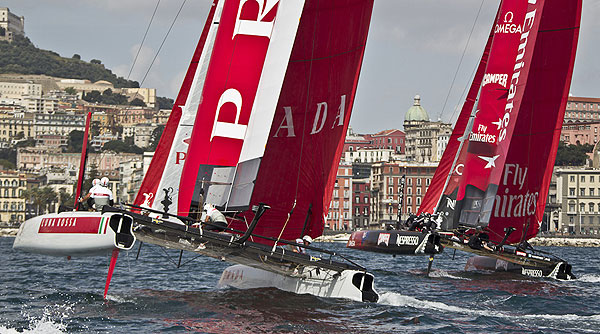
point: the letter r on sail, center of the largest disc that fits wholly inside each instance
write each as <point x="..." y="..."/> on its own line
<point x="226" y="129"/>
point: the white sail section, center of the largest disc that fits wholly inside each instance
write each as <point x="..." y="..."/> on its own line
<point x="168" y="187"/>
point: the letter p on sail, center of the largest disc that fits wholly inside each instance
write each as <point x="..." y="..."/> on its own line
<point x="226" y="129"/>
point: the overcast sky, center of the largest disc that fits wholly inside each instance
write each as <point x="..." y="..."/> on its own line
<point x="414" y="47"/>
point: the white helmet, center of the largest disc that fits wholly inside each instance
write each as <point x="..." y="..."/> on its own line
<point x="95" y="182"/>
<point x="307" y="238"/>
<point x="104" y="181"/>
<point x="208" y="206"/>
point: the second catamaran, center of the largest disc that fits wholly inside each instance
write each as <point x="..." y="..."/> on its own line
<point x="493" y="179"/>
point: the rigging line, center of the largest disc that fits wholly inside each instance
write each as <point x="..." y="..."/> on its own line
<point x="163" y="42"/>
<point x="143" y="39"/>
<point x="461" y="60"/>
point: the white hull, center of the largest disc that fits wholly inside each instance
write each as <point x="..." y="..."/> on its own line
<point x="72" y="233"/>
<point x="317" y="282"/>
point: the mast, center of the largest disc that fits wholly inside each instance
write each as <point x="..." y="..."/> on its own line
<point x="83" y="161"/>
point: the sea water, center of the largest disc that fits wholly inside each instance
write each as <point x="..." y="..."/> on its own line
<point x="43" y="294"/>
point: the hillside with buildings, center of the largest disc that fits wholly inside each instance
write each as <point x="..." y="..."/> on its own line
<point x="20" y="56"/>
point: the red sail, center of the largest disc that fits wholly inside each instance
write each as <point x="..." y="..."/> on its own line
<point x="230" y="88"/>
<point x="298" y="168"/>
<point x="159" y="160"/>
<point x="442" y="175"/>
<point x="82" y="163"/>
<point x="499" y="104"/>
<point x="525" y="179"/>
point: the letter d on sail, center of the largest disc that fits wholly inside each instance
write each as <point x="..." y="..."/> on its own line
<point x="226" y="129"/>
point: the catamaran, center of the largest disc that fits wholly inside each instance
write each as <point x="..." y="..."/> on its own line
<point x="256" y="131"/>
<point x="489" y="191"/>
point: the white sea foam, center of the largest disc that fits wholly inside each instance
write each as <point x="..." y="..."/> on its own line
<point x="396" y="299"/>
<point x="41" y="326"/>
<point x="589" y="278"/>
<point x="445" y="274"/>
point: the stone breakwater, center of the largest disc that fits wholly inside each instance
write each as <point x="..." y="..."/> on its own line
<point x="538" y="241"/>
<point x="568" y="242"/>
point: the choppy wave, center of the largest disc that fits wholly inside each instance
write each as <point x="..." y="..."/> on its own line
<point x="589" y="278"/>
<point x="399" y="300"/>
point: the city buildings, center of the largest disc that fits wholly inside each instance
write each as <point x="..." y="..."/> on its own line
<point x="577" y="209"/>
<point x="12" y="205"/>
<point x="582" y="121"/>
<point x="425" y="140"/>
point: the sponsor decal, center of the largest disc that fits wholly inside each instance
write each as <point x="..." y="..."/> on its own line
<point x="519" y="65"/>
<point x="521" y="253"/>
<point x="508" y="27"/>
<point x="91" y="225"/>
<point x="384" y="238"/>
<point x="314" y="259"/>
<point x="286" y="127"/>
<point x="495" y="78"/>
<point x="515" y="203"/>
<point x="482" y="136"/>
<point x="532" y="272"/>
<point x="407" y="240"/>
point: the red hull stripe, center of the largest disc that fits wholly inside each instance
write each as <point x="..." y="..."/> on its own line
<point x="70" y="225"/>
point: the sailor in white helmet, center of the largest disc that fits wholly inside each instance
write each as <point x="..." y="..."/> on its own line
<point x="88" y="197"/>
<point x="216" y="219"/>
<point x="306" y="240"/>
<point x="102" y="195"/>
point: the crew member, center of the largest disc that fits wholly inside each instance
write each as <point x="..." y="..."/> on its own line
<point x="479" y="241"/>
<point x="306" y="240"/>
<point x="216" y="219"/>
<point x="88" y="198"/>
<point x="102" y="195"/>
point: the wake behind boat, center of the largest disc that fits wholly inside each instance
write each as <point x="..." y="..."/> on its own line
<point x="489" y="191"/>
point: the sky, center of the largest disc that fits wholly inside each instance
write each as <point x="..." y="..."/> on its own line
<point x="414" y="47"/>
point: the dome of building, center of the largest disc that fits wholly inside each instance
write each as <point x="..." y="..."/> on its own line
<point x="416" y="112"/>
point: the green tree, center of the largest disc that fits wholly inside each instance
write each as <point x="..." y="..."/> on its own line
<point x="42" y="198"/>
<point x="9" y="154"/>
<point x="137" y="102"/>
<point x="95" y="61"/>
<point x="76" y="56"/>
<point x="7" y="164"/>
<point x="164" y="102"/>
<point x="70" y="91"/>
<point x="572" y="155"/>
<point x="21" y="56"/>
<point x="64" y="198"/>
<point x="26" y="143"/>
<point x="75" y="141"/>
<point x="121" y="147"/>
